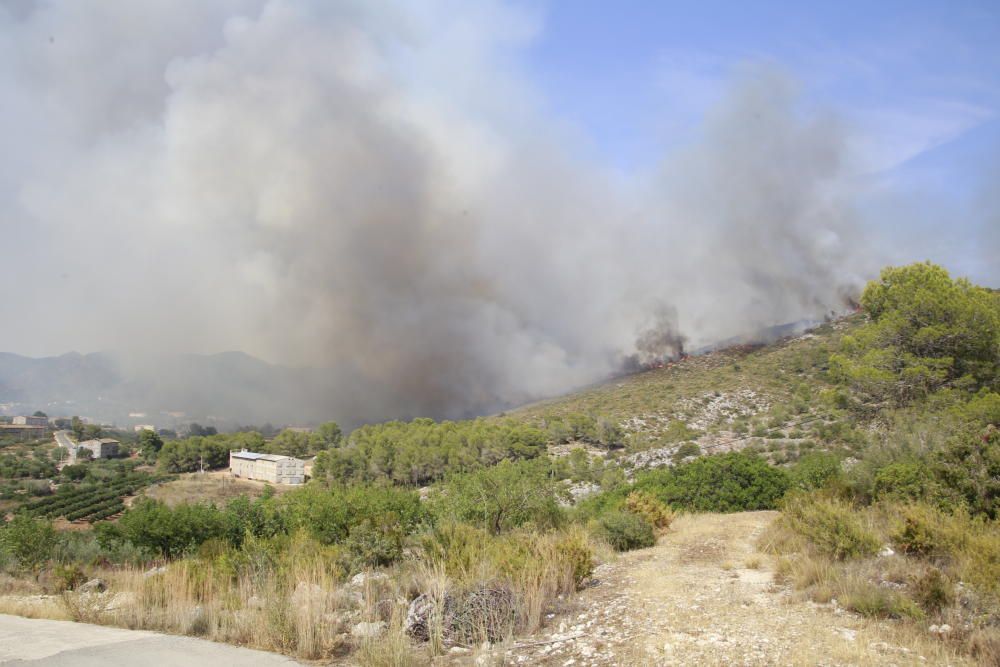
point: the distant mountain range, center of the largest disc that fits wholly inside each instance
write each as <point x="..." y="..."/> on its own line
<point x="228" y="389"/>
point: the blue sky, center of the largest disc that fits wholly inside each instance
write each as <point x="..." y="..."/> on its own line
<point x="912" y="74"/>
<point x="917" y="84"/>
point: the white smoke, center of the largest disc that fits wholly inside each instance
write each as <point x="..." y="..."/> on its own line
<point x="377" y="189"/>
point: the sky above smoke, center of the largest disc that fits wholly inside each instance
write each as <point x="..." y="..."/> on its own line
<point x="377" y="188"/>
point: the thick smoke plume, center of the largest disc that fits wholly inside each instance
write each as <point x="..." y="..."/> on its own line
<point x="376" y="190"/>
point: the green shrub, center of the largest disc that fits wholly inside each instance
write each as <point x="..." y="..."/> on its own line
<point x="815" y="471"/>
<point x="330" y="514"/>
<point x="574" y="549"/>
<point x="678" y="431"/>
<point x="28" y="541"/>
<point x="874" y="601"/>
<point x="902" y="481"/>
<point x="372" y="544"/>
<point x="924" y="531"/>
<point x="731" y="482"/>
<point x="505" y="496"/>
<point x="686" y="450"/>
<point x="625" y="531"/>
<point x="933" y="590"/>
<point x="969" y="467"/>
<point x="832" y="527"/>
<point x="68" y="577"/>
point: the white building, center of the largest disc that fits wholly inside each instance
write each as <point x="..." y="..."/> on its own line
<point x="30" y="421"/>
<point x="138" y="428"/>
<point x="105" y="448"/>
<point x="267" y="467"/>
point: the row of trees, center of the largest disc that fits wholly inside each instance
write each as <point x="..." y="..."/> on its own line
<point x="422" y="451"/>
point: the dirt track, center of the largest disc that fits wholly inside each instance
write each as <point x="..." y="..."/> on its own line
<point x="703" y="596"/>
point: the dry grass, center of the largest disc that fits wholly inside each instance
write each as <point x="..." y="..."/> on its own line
<point x="919" y="589"/>
<point x="216" y="487"/>
<point x="290" y="596"/>
<point x="34" y="606"/>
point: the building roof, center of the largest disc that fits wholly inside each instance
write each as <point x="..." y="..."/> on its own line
<point x="254" y="456"/>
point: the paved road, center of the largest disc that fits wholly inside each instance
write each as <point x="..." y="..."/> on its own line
<point x="63" y="440"/>
<point x="27" y="641"/>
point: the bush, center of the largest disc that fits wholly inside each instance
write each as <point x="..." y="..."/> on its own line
<point x="902" y="481"/>
<point x="831" y="527"/>
<point x="508" y="495"/>
<point x="372" y="544"/>
<point x="625" y="531"/>
<point x="330" y="514"/>
<point x="969" y="466"/>
<point x="686" y="450"/>
<point x="649" y="508"/>
<point x="874" y="601"/>
<point x="815" y="471"/>
<point x="731" y="482"/>
<point x="933" y="590"/>
<point x="28" y="541"/>
<point x="170" y="532"/>
<point x="924" y="531"/>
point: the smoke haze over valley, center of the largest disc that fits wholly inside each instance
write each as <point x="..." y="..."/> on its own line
<point x="379" y="192"/>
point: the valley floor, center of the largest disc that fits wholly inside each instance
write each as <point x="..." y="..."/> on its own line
<point x="704" y="596"/>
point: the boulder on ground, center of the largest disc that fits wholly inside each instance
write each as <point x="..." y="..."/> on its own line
<point x="368" y="630"/>
<point x="92" y="586"/>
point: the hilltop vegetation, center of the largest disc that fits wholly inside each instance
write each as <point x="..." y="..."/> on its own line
<point x="875" y="435"/>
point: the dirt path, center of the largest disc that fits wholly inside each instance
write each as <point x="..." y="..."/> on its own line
<point x="703" y="596"/>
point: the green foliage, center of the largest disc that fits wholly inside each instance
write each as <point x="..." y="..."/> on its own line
<point x="329" y="434"/>
<point x="29" y="541"/>
<point x="294" y="443"/>
<point x="423" y="451"/>
<point x="816" y="471"/>
<point x="261" y="518"/>
<point x="170" y="532"/>
<point x="74" y="473"/>
<point x="903" y="481"/>
<point x="925" y="531"/>
<point x="686" y="450"/>
<point x="731" y="482"/>
<point x="14" y="467"/>
<point x="969" y="466"/>
<point x="832" y="527"/>
<point x="926" y="331"/>
<point x="678" y="431"/>
<point x="191" y="454"/>
<point x="508" y="495"/>
<point x="330" y="514"/>
<point x="874" y="601"/>
<point x="150" y="444"/>
<point x="625" y="531"/>
<point x="374" y="544"/>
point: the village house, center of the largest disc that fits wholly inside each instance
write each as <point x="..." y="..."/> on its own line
<point x="267" y="467"/>
<point x="105" y="448"/>
<point x="30" y="421"/>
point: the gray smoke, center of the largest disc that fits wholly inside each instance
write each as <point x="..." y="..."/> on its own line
<point x="375" y="190"/>
<point x="660" y="342"/>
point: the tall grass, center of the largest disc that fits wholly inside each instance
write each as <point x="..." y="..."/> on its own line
<point x="290" y="595"/>
<point x="945" y="571"/>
